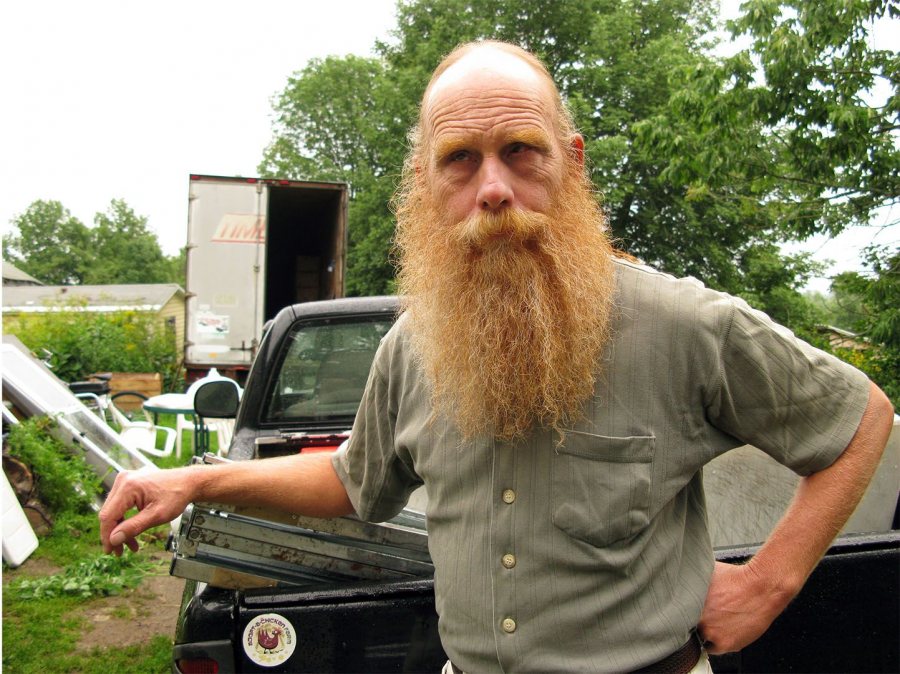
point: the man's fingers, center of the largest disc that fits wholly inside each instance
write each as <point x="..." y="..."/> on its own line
<point x="115" y="530"/>
<point x="111" y="515"/>
<point x="127" y="530"/>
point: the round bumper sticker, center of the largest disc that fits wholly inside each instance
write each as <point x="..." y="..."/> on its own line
<point x="269" y="639"/>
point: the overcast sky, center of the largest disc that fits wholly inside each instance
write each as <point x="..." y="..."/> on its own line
<point x="123" y="99"/>
<point x="120" y="99"/>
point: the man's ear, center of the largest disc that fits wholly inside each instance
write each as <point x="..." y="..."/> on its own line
<point x="576" y="146"/>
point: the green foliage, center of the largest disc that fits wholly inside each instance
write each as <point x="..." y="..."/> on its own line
<point x="41" y="615"/>
<point x="829" y="104"/>
<point x="174" y="269"/>
<point x="100" y="576"/>
<point x="877" y="316"/>
<point x="41" y="635"/>
<point x="798" y="131"/>
<point x="84" y="342"/>
<point x="65" y="483"/>
<point x="49" y="243"/>
<point x="73" y="538"/>
<point x="123" y="249"/>
<point x="57" y="249"/>
<point x="772" y="282"/>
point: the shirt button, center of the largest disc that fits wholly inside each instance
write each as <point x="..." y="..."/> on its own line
<point x="509" y="496"/>
<point x="509" y="561"/>
<point x="509" y="625"/>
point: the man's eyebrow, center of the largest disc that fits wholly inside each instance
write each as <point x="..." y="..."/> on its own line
<point x="536" y="138"/>
<point x="445" y="147"/>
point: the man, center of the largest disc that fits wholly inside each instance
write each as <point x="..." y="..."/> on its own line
<point x="558" y="405"/>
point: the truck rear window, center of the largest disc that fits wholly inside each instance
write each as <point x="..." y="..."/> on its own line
<point x="324" y="370"/>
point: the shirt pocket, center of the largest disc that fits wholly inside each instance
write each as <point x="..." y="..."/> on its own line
<point x="600" y="486"/>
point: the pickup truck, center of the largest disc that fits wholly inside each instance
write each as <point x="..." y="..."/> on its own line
<point x="302" y="394"/>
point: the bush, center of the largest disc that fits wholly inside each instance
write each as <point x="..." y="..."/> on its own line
<point x="84" y="342"/>
<point x="64" y="482"/>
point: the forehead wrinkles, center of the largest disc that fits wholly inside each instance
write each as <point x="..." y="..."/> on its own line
<point x="474" y="111"/>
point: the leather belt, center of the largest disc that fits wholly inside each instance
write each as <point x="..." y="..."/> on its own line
<point x="681" y="661"/>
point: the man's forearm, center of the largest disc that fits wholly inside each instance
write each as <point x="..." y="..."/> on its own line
<point x="302" y="484"/>
<point x="824" y="502"/>
<point x="744" y="600"/>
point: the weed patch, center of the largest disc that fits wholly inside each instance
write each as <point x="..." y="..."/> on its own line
<point x="100" y="576"/>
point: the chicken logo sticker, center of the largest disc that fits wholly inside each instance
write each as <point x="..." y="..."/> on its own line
<point x="269" y="640"/>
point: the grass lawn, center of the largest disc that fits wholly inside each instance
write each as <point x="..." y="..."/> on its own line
<point x="60" y="607"/>
<point x="186" y="445"/>
<point x="70" y="608"/>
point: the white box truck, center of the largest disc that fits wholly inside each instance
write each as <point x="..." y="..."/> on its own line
<point x="255" y="245"/>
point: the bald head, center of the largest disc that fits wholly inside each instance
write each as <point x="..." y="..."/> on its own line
<point x="492" y="64"/>
<point x="498" y="61"/>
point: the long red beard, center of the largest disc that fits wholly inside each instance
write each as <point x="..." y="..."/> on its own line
<point x="509" y="313"/>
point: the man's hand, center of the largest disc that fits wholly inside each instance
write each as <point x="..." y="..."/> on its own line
<point x="160" y="496"/>
<point x="739" y="608"/>
<point x="305" y="484"/>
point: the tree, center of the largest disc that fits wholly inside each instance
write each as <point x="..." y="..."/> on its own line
<point x="775" y="281"/>
<point x="175" y="268"/>
<point x="56" y="248"/>
<point x="821" y="153"/>
<point x="342" y="119"/>
<point x="835" y="139"/>
<point x="877" y="316"/>
<point x="49" y="243"/>
<point x="124" y="250"/>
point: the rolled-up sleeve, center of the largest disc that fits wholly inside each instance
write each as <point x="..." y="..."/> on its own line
<point x="797" y="403"/>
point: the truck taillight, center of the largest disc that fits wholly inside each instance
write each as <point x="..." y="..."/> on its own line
<point x="198" y="666"/>
<point x="321" y="443"/>
<point x="319" y="448"/>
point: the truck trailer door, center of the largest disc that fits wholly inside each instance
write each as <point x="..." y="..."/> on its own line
<point x="225" y="268"/>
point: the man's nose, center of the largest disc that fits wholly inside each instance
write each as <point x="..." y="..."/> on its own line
<point x="495" y="187"/>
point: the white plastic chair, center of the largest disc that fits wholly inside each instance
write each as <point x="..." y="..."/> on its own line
<point x="141" y="435"/>
<point x="182" y="423"/>
<point x="224" y="430"/>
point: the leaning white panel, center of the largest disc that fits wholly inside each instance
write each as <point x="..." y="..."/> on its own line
<point x="19" y="540"/>
<point x="37" y="391"/>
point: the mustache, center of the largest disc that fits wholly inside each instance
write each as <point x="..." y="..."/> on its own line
<point x="511" y="226"/>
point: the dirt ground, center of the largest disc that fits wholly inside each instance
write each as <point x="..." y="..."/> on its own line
<point x="137" y="615"/>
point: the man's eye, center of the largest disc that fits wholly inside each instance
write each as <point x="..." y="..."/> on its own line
<point x="461" y="155"/>
<point x="518" y="148"/>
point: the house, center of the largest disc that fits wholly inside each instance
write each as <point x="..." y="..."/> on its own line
<point x="13" y="276"/>
<point x="164" y="300"/>
<point x="842" y="339"/>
